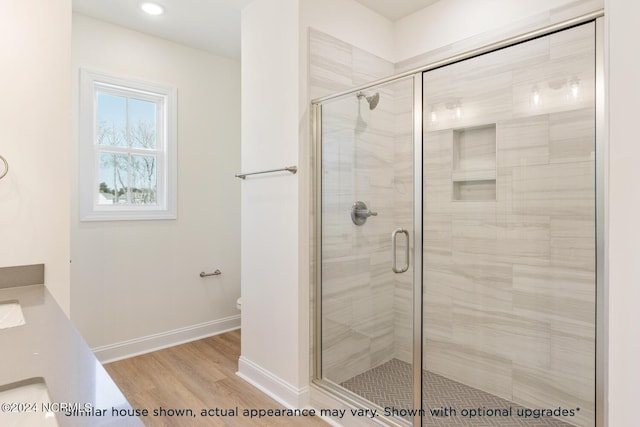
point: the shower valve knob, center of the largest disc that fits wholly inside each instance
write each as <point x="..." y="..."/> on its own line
<point x="360" y="212"/>
<point x="365" y="213"/>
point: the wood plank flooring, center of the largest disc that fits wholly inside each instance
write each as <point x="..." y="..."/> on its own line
<point x="197" y="375"/>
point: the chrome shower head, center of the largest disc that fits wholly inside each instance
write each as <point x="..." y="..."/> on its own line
<point x="372" y="100"/>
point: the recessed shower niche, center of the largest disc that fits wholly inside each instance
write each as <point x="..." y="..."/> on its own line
<point x="474" y="163"/>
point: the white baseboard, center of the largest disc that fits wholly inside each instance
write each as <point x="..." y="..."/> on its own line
<point x="125" y="349"/>
<point x="287" y="395"/>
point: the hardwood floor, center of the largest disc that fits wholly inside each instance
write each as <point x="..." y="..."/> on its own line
<point x="197" y="375"/>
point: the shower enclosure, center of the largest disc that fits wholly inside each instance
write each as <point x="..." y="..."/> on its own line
<point x="458" y="237"/>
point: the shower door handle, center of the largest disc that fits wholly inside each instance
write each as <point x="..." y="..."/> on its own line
<point x="394" y="266"/>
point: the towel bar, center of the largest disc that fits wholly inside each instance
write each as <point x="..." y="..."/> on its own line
<point x="292" y="169"/>
<point x="215" y="273"/>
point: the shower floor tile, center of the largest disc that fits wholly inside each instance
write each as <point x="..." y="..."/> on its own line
<point x="389" y="385"/>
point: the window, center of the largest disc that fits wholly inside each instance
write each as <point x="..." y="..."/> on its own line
<point x="127" y="149"/>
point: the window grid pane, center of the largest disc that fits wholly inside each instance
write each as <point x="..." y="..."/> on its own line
<point x="112" y="189"/>
<point x="111" y="119"/>
<point x="142" y="123"/>
<point x="144" y="181"/>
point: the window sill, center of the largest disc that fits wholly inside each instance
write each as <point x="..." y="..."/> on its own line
<point x="128" y="216"/>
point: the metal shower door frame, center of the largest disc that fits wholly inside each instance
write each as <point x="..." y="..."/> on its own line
<point x="344" y="395"/>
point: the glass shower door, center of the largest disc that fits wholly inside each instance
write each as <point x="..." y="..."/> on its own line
<point x="366" y="265"/>
<point x="509" y="236"/>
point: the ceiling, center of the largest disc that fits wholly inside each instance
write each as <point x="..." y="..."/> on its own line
<point x="397" y="9"/>
<point x="212" y="25"/>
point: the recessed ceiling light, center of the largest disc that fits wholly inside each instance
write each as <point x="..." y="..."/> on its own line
<point x="152" y="8"/>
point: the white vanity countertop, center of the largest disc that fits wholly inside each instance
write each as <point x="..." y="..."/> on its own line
<point x="49" y="347"/>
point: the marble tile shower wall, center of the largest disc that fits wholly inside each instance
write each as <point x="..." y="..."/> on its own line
<point x="358" y="164"/>
<point x="510" y="282"/>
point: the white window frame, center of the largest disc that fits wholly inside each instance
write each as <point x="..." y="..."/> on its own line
<point x="92" y="82"/>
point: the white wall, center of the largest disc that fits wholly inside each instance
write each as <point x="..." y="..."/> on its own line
<point x="134" y="279"/>
<point x="271" y="331"/>
<point x="350" y="22"/>
<point x="275" y="208"/>
<point x="624" y="212"/>
<point x="449" y="21"/>
<point x="35" y="134"/>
